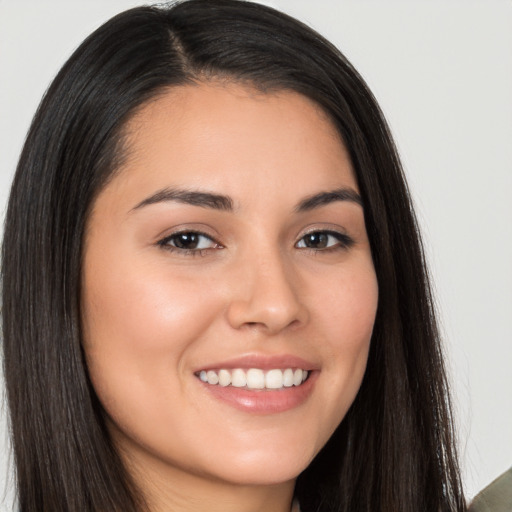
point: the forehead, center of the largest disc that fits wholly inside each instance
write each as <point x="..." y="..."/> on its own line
<point x="231" y="137"/>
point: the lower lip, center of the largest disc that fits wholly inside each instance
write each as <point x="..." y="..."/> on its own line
<point x="263" y="401"/>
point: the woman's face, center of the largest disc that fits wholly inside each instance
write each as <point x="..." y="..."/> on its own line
<point x="231" y="246"/>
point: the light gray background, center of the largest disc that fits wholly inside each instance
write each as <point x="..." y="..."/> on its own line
<point x="442" y="71"/>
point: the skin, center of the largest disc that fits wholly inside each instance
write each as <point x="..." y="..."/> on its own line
<point x="153" y="313"/>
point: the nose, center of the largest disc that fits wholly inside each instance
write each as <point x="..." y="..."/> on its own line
<point x="264" y="296"/>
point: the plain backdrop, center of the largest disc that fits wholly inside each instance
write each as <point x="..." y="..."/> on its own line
<point x="442" y="72"/>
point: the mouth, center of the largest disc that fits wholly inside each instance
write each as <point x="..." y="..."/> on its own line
<point x="260" y="384"/>
<point x="256" y="379"/>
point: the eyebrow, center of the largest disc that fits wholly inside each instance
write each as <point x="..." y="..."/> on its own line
<point x="192" y="197"/>
<point x="325" y="198"/>
<point x="225" y="203"/>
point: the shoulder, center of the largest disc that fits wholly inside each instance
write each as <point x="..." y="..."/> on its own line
<point x="496" y="497"/>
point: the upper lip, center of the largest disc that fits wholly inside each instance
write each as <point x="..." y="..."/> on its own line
<point x="262" y="361"/>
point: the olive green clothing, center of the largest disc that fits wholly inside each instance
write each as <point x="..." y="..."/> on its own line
<point x="496" y="497"/>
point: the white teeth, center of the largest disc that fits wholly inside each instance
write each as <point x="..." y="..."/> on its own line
<point x="288" y="378"/>
<point x="212" y="377"/>
<point x="224" y="378"/>
<point x="274" y="379"/>
<point x="238" y="378"/>
<point x="255" y="378"/>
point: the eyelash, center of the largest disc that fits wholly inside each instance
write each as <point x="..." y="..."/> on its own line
<point x="344" y="242"/>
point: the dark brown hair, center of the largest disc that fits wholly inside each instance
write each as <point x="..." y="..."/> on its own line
<point x="394" y="451"/>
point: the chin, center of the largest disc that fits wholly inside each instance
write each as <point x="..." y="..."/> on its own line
<point x="266" y="473"/>
<point x="265" y="466"/>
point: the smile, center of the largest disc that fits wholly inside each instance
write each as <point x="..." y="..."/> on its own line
<point x="254" y="378"/>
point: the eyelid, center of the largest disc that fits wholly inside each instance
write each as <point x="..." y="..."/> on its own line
<point x="200" y="228"/>
<point x="323" y="228"/>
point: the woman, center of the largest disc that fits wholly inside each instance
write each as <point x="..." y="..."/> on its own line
<point x="224" y="300"/>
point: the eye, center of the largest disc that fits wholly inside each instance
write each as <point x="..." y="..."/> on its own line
<point x="188" y="241"/>
<point x="324" y="240"/>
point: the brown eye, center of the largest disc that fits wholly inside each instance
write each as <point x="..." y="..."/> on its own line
<point x="185" y="240"/>
<point x="188" y="241"/>
<point x="319" y="240"/>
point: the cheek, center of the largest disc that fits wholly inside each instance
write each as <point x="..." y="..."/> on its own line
<point x="346" y="323"/>
<point x="350" y="306"/>
<point x="141" y="305"/>
<point x="138" y="322"/>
